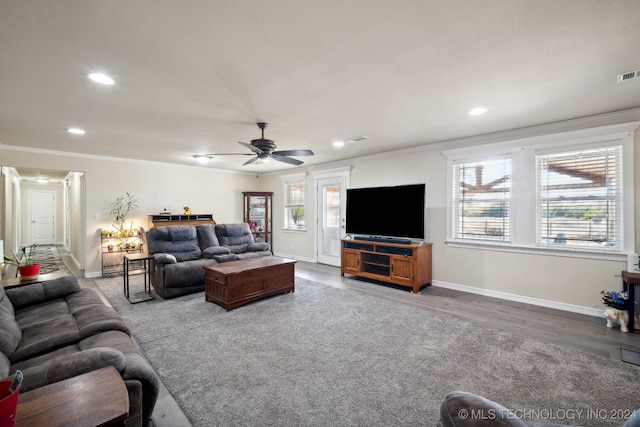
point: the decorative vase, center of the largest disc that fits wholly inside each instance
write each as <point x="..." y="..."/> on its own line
<point x="29" y="272"/>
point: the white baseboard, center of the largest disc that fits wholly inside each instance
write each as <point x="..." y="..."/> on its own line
<point x="589" y="311"/>
<point x="283" y="255"/>
<point x="93" y="275"/>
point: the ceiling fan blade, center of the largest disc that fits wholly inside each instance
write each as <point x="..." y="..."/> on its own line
<point x="293" y="153"/>
<point x="248" y="162"/>
<point x="229" y="154"/>
<point x="251" y="147"/>
<point x="285" y="159"/>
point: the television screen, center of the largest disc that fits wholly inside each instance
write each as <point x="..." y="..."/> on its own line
<point x="387" y="211"/>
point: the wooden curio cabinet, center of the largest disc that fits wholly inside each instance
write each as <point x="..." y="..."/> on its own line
<point x="257" y="213"/>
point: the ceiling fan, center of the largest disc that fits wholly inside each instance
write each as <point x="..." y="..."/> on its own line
<point x="265" y="148"/>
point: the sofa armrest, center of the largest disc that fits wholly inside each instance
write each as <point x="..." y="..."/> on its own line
<point x="162" y="258"/>
<point x="38" y="293"/>
<point x="72" y="366"/>
<point x="258" y="246"/>
<point x="212" y="251"/>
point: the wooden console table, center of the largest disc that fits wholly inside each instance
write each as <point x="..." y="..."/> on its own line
<point x="97" y="398"/>
<point x="398" y="263"/>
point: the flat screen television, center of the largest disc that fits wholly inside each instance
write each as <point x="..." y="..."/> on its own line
<point x="386" y="211"/>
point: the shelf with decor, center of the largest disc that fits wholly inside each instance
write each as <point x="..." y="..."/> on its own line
<point x="113" y="246"/>
<point x="181" y="219"/>
<point x="257" y="213"/>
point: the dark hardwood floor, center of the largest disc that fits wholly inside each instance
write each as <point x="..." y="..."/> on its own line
<point x="580" y="332"/>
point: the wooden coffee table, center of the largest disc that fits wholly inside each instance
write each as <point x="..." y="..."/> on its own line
<point x="97" y="398"/>
<point x="235" y="283"/>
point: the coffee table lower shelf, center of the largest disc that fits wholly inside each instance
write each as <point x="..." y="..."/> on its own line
<point x="236" y="283"/>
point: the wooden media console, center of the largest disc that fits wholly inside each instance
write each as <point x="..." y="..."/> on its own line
<point x="401" y="264"/>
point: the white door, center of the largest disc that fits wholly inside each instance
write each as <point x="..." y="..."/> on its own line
<point x="331" y="204"/>
<point x="42" y="217"/>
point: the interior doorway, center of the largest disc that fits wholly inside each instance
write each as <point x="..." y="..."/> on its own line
<point x="42" y="217"/>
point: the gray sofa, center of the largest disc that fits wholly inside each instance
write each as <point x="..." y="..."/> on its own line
<point x="56" y="330"/>
<point x="180" y="252"/>
<point x="462" y="409"/>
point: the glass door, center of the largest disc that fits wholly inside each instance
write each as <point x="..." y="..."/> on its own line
<point x="331" y="218"/>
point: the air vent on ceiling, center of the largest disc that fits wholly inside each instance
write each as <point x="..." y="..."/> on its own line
<point x="357" y="139"/>
<point x="628" y="75"/>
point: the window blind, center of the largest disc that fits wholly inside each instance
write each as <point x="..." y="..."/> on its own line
<point x="481" y="199"/>
<point x="579" y="198"/>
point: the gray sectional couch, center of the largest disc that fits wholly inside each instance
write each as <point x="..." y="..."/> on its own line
<point x="56" y="330"/>
<point x="180" y="251"/>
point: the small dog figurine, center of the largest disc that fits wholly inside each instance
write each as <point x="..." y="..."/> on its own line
<point x="621" y="317"/>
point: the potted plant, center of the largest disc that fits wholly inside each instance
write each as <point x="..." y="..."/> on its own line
<point x="120" y="208"/>
<point x="27" y="266"/>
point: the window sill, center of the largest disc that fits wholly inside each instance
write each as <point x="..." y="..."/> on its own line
<point x="569" y="252"/>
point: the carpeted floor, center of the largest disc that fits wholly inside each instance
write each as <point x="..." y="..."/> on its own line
<point x="324" y="356"/>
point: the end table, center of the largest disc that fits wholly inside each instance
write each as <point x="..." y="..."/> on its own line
<point x="145" y="259"/>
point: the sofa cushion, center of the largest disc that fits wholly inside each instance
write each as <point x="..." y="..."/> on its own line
<point x="10" y="332"/>
<point x="180" y="241"/>
<point x="66" y="363"/>
<point x="47" y="335"/>
<point x="40" y="292"/>
<point x="258" y="246"/>
<point x="457" y="406"/>
<point x="236" y="237"/>
<point x="225" y="257"/>
<point x="206" y="236"/>
<point x="253" y="254"/>
<point x="212" y="251"/>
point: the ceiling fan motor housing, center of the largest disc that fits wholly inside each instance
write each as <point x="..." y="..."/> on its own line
<point x="266" y="145"/>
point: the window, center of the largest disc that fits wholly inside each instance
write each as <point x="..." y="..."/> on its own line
<point x="579" y="198"/>
<point x="294" y="202"/>
<point x="481" y="199"/>
<point x="570" y="193"/>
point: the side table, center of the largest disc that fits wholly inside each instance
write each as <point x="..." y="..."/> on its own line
<point x="629" y="282"/>
<point x="97" y="398"/>
<point x="145" y="259"/>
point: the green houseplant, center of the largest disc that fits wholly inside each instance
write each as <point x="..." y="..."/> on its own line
<point x="120" y="208"/>
<point x="27" y="266"/>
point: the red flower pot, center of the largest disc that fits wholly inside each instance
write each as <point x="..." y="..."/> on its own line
<point x="29" y="272"/>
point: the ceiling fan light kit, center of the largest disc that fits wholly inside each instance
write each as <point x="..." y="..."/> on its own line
<point x="264" y="150"/>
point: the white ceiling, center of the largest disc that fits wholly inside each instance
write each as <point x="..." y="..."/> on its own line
<point x="194" y="77"/>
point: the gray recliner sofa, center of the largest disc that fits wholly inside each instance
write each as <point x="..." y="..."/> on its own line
<point x="181" y="251"/>
<point x="56" y="330"/>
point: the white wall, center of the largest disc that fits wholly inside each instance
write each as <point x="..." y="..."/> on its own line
<point x="557" y="281"/>
<point x="156" y="185"/>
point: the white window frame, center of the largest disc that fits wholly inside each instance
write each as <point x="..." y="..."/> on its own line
<point x="455" y="211"/>
<point x="299" y="178"/>
<point x="524" y="181"/>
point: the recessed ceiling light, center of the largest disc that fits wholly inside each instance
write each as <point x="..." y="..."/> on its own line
<point x="76" y="131"/>
<point x="202" y="159"/>
<point x="338" y="143"/>
<point x="42" y="180"/>
<point x="101" y="78"/>
<point x="478" y="110"/>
